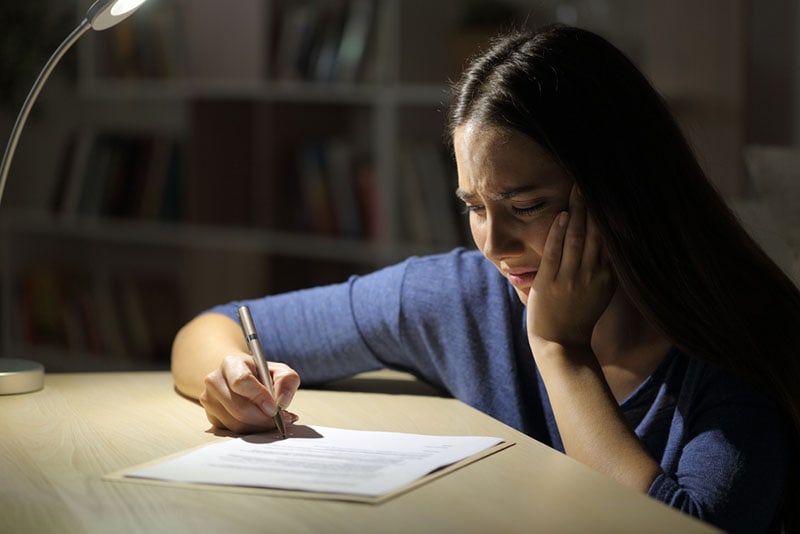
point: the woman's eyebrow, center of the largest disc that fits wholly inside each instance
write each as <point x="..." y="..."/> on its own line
<point x="502" y="195"/>
<point x="464" y="195"/>
<point x="505" y="195"/>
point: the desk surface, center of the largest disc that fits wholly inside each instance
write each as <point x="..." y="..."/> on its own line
<point x="58" y="443"/>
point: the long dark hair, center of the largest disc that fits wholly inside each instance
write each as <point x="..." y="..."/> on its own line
<point x="677" y="249"/>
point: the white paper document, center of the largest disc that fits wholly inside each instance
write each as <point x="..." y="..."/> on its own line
<point x="320" y="459"/>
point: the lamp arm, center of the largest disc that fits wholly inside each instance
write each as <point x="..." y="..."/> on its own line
<point x="76" y="34"/>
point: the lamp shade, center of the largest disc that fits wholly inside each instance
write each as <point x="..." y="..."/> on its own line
<point x="104" y="14"/>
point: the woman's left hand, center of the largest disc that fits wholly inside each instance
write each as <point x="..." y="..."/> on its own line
<point x="570" y="293"/>
<point x="575" y="282"/>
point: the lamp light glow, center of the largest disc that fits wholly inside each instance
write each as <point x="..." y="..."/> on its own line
<point x="22" y="376"/>
<point x="125" y="6"/>
<point x="106" y="13"/>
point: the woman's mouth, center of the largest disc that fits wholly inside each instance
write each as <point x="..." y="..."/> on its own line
<point x="521" y="279"/>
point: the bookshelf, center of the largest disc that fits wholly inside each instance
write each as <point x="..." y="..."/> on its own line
<point x="270" y="143"/>
<point x="212" y="151"/>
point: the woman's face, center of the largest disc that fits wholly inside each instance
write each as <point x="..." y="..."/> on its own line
<point x="512" y="190"/>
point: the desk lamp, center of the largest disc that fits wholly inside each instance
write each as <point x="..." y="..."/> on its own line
<point x="23" y="376"/>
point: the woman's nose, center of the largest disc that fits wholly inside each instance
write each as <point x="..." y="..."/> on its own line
<point x="500" y="240"/>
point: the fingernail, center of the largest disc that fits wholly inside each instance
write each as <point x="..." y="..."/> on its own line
<point x="563" y="218"/>
<point x="284" y="400"/>
<point x="268" y="408"/>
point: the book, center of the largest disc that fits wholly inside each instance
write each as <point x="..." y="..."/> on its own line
<point x="40" y="303"/>
<point x="317" y="202"/>
<point x="151" y="190"/>
<point x="414" y="219"/>
<point x="121" y="315"/>
<point x="154" y="303"/>
<point x="172" y="203"/>
<point x="65" y="173"/>
<point x="146" y="47"/>
<point x="325" y="41"/>
<point x="105" y="317"/>
<point x="67" y="194"/>
<point x="381" y="44"/>
<point x="298" y="27"/>
<point x="426" y="186"/>
<point x="369" y="201"/>
<point x="135" y="326"/>
<point x="341" y="172"/>
<point x="97" y="173"/>
<point x="323" y="56"/>
<point x="355" y="39"/>
<point x="124" y="174"/>
<point x="437" y="185"/>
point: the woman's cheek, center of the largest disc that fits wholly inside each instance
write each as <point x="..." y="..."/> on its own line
<point x="475" y="232"/>
<point x="537" y="232"/>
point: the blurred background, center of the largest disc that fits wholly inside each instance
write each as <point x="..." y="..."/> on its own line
<point x="205" y="151"/>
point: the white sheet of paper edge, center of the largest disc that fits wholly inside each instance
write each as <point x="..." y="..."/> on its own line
<point x="319" y="459"/>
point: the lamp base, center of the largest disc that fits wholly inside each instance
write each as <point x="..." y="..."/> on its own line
<point x="20" y="376"/>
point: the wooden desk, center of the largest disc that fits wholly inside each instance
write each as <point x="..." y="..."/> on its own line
<point x="59" y="442"/>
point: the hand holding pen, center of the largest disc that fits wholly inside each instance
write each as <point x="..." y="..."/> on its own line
<point x="253" y="343"/>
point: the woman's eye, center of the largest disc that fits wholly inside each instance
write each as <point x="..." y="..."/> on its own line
<point x="472" y="208"/>
<point x="528" y="210"/>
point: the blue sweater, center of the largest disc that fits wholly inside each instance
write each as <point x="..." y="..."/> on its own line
<point x="455" y="322"/>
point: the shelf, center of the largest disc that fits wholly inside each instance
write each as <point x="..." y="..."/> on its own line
<point x="210" y="237"/>
<point x="249" y="158"/>
<point x="210" y="160"/>
<point x="76" y="290"/>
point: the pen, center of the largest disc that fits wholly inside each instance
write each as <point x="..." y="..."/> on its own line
<point x="251" y="336"/>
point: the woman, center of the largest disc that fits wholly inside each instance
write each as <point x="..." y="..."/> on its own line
<point x="615" y="307"/>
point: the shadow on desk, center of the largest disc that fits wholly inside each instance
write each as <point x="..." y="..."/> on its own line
<point x="384" y="381"/>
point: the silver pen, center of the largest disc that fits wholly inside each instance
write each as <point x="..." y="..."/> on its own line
<point x="251" y="336"/>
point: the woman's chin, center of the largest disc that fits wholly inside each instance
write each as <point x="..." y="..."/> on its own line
<point x="523" y="294"/>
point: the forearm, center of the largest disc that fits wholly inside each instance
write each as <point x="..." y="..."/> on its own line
<point x="592" y="427"/>
<point x="199" y="348"/>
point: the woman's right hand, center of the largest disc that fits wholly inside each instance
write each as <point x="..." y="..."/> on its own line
<point x="236" y="400"/>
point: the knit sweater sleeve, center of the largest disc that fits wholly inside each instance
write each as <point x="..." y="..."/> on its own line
<point x="410" y="316"/>
<point x="316" y="331"/>
<point x="727" y="454"/>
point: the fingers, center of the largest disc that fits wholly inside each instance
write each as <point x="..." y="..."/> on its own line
<point x="240" y="377"/>
<point x="235" y="399"/>
<point x="553" y="247"/>
<point x="575" y="237"/>
<point x="574" y="247"/>
<point x="286" y="381"/>
<point x="574" y="284"/>
<point x="219" y="417"/>
<point x="224" y="402"/>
